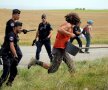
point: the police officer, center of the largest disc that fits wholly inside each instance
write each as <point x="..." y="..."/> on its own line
<point x="9" y="28"/>
<point x="77" y="32"/>
<point x="10" y="55"/>
<point x="43" y="34"/>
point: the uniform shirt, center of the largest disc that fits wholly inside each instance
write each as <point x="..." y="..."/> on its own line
<point x="76" y="29"/>
<point x="9" y="26"/>
<point x="61" y="40"/>
<point x="11" y="37"/>
<point x="44" y="30"/>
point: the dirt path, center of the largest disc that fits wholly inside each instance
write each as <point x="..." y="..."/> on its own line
<point x="29" y="52"/>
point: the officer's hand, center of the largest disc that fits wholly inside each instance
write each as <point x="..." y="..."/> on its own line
<point x="47" y="38"/>
<point x="24" y="31"/>
<point x="16" y="59"/>
<point x="34" y="42"/>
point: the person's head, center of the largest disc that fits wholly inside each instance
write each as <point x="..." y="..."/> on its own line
<point x="16" y="14"/>
<point x="18" y="27"/>
<point x="43" y="17"/>
<point x="90" y="22"/>
<point x="72" y="18"/>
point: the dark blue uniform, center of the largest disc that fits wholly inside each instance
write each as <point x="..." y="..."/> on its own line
<point x="9" y="63"/>
<point x="9" y="28"/>
<point x="44" y="31"/>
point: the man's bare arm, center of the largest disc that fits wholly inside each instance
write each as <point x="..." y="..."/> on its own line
<point x="65" y="30"/>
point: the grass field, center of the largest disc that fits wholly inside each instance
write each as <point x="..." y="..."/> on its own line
<point x="31" y="19"/>
<point x="90" y="75"/>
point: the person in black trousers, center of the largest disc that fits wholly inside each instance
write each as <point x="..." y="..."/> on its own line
<point x="43" y="34"/>
<point x="9" y="28"/>
<point x="77" y="32"/>
<point x="10" y="55"/>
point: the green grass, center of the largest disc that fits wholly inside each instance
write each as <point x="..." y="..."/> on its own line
<point x="92" y="75"/>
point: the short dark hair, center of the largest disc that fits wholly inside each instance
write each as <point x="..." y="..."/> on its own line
<point x="72" y="18"/>
<point x="16" y="11"/>
<point x="43" y="16"/>
<point x="16" y="24"/>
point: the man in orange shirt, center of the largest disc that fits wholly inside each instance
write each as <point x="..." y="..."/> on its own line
<point x="64" y="33"/>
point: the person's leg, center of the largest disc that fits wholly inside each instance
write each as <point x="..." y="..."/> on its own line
<point x="69" y="61"/>
<point x="13" y="73"/>
<point x="38" y="50"/>
<point x="57" y="59"/>
<point x="47" y="45"/>
<point x="6" y="69"/>
<point x="87" y="42"/>
<point x="80" y="43"/>
<point x="71" y="39"/>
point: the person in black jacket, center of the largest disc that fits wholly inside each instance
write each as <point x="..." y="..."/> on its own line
<point x="43" y="34"/>
<point x="77" y="32"/>
<point x="9" y="28"/>
<point x="10" y="55"/>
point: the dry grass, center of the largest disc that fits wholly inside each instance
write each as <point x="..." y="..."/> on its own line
<point x="90" y="75"/>
<point x="31" y="19"/>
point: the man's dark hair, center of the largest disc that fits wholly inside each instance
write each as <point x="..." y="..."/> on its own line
<point x="16" y="11"/>
<point x="72" y="18"/>
<point x="17" y="24"/>
<point x="43" y="16"/>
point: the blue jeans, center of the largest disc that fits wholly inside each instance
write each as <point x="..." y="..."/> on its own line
<point x="88" y="41"/>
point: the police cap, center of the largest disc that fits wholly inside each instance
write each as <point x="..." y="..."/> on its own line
<point x="17" y="24"/>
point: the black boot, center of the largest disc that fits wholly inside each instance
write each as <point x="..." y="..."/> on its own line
<point x="9" y="83"/>
<point x="81" y="51"/>
<point x="1" y="82"/>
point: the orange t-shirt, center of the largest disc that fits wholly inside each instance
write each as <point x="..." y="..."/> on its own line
<point x="61" y="40"/>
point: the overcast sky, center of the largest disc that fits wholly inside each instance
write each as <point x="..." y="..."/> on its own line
<point x="54" y="4"/>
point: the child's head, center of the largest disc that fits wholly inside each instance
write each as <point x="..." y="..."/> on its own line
<point x="90" y="22"/>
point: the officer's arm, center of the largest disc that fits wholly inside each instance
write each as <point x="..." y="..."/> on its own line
<point x="37" y="34"/>
<point x="50" y="34"/>
<point x="12" y="48"/>
<point x="34" y="41"/>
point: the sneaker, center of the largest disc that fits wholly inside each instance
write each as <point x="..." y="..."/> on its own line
<point x="81" y="51"/>
<point x="32" y="63"/>
<point x="9" y="83"/>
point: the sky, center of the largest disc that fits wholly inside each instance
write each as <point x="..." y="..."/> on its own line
<point x="53" y="4"/>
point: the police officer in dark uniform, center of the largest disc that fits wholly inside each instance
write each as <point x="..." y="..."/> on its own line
<point x="43" y="34"/>
<point x="10" y="55"/>
<point x="77" y="32"/>
<point x="9" y="28"/>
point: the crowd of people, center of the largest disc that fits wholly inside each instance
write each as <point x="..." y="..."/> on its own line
<point x="68" y="31"/>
